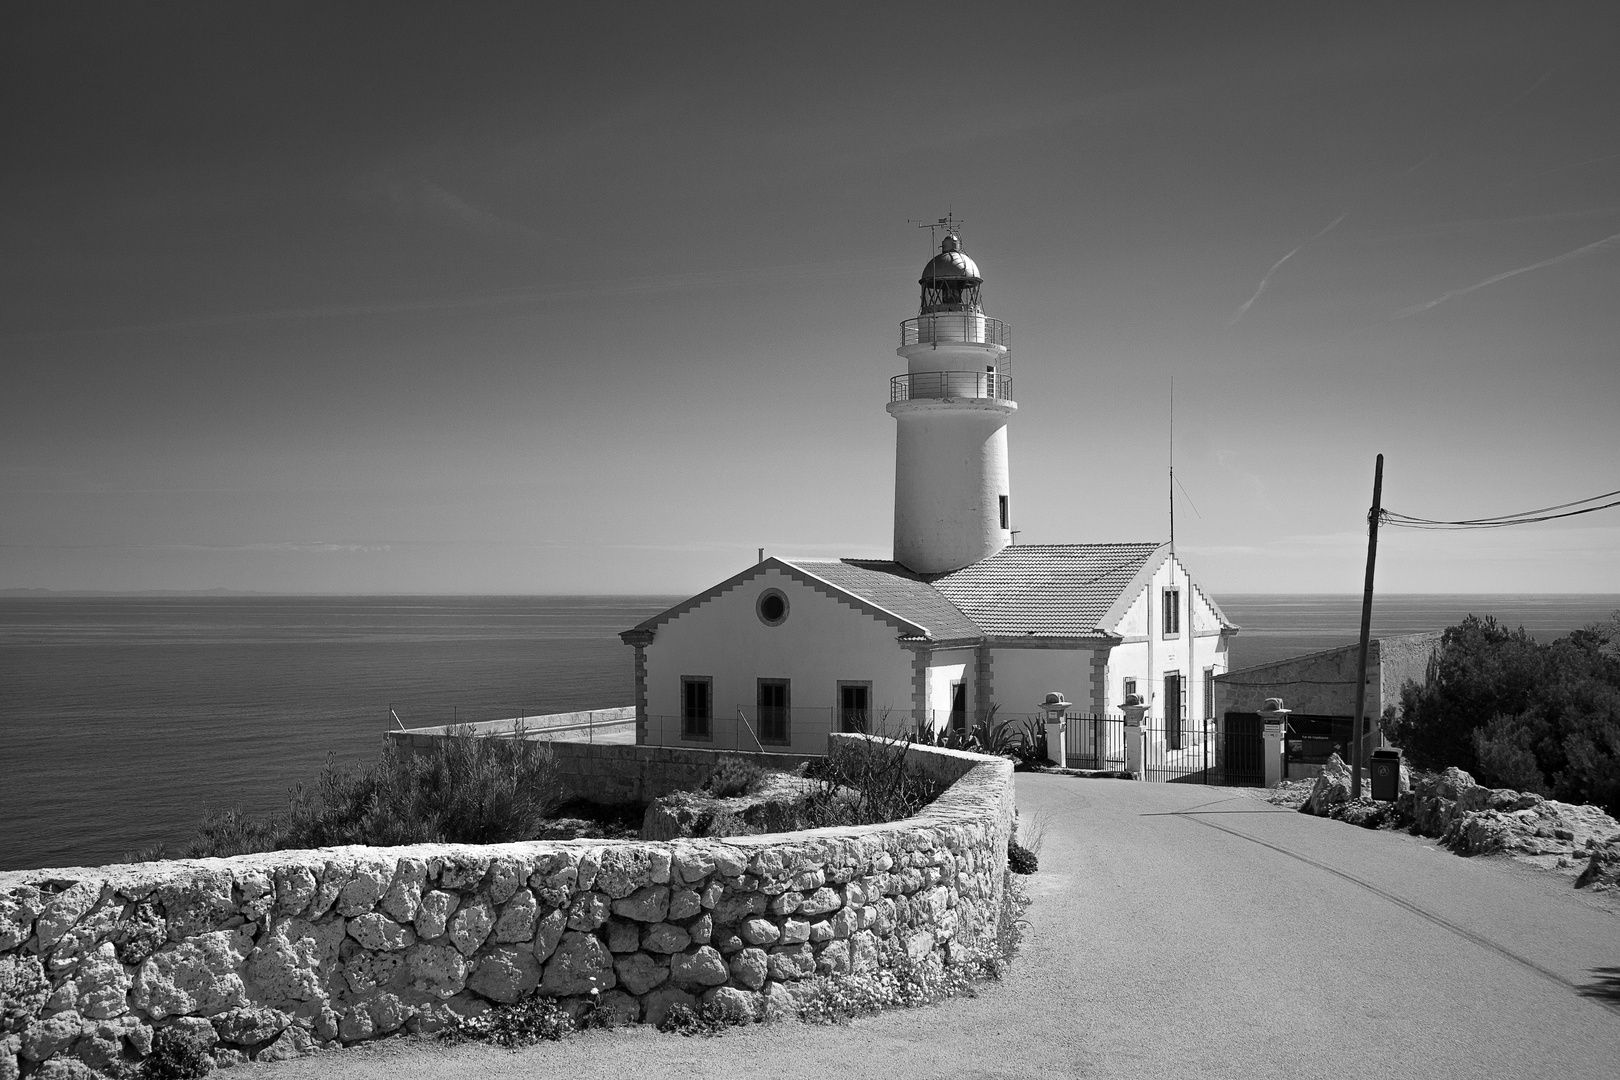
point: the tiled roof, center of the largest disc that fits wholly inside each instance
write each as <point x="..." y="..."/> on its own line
<point x="890" y="586"/>
<point x="1048" y="590"/>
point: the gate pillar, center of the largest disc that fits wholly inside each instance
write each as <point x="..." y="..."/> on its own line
<point x="1275" y="717"/>
<point x="1134" y="710"/>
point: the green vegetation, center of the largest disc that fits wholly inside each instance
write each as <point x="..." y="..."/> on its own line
<point x="869" y="785"/>
<point x="468" y="789"/>
<point x="1519" y="714"/>
<point x="176" y="1055"/>
<point x="735" y="776"/>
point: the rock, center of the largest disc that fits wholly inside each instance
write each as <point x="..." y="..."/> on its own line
<point x="463" y="872"/>
<point x="9" y="1068"/>
<point x="227" y="1058"/>
<point x="655" y="1007"/>
<point x="23" y="990"/>
<point x="623" y="870"/>
<point x="505" y="973"/>
<point x="403" y="899"/>
<point x="198" y="903"/>
<point x="683" y="904"/>
<point x="505" y="875"/>
<point x="366" y="971"/>
<point x="295" y="888"/>
<point x="250" y="1026"/>
<point x="791" y="962"/>
<point x="51" y="1035"/>
<point x="650" y="903"/>
<point x="580" y="964"/>
<point x="288" y="1045"/>
<point x="102" y="984"/>
<point x="292" y="956"/>
<point x="438" y="970"/>
<point x="734" y="1006"/>
<point x="758" y="931"/>
<point x="623" y="936"/>
<point x="691" y="864"/>
<point x="197" y="977"/>
<point x="640" y="972"/>
<point x="588" y="911"/>
<point x="833" y="959"/>
<point x="749" y="968"/>
<point x="433" y="913"/>
<point x="665" y="938"/>
<point x="517" y="918"/>
<point x="380" y="933"/>
<point x="794" y="932"/>
<point x="1602" y="868"/>
<point x="701" y="929"/>
<point x="65" y="1069"/>
<point x="471" y="925"/>
<point x="705" y="967"/>
<point x="778" y="1003"/>
<point x="774" y="808"/>
<point x="102" y="1054"/>
<point x="820" y="902"/>
<point x="547" y="933"/>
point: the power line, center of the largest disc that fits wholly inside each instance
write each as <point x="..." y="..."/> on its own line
<point x="1546" y="513"/>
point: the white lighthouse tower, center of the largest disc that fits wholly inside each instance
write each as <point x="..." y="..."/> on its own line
<point x="951" y="495"/>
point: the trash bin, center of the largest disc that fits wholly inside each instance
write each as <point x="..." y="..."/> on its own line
<point x="1386" y="774"/>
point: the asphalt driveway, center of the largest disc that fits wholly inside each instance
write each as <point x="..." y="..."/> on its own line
<point x="1188" y="931"/>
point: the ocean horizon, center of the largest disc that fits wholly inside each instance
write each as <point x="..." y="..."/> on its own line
<point x="124" y="716"/>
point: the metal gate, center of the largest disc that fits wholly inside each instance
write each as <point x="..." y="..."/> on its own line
<point x="1243" y="750"/>
<point x="1094" y="741"/>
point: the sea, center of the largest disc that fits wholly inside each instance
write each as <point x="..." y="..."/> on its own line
<point x="124" y="718"/>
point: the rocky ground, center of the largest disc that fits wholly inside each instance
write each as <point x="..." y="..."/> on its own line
<point x="1581" y="842"/>
<point x="773" y="808"/>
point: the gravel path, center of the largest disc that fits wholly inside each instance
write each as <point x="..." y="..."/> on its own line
<point x="1189" y="931"/>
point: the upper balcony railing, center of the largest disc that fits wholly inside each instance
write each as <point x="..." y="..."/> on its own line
<point x="950" y="384"/>
<point x="956" y="326"/>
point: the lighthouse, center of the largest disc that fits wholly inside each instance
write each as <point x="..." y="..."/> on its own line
<point x="952" y="500"/>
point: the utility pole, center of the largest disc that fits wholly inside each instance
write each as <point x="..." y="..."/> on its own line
<point x="1366" y="628"/>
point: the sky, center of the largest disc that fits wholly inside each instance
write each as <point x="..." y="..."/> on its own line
<point x="539" y="298"/>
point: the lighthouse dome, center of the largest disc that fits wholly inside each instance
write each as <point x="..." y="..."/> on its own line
<point x="951" y="264"/>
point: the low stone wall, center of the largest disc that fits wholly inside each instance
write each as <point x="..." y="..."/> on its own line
<point x="272" y="955"/>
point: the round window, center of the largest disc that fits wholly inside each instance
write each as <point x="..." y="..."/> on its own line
<point x="772" y="607"/>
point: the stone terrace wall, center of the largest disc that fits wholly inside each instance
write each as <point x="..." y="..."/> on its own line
<point x="272" y="955"/>
<point x="617" y="773"/>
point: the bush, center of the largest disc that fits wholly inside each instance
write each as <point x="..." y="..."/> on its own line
<point x="176" y="1055"/>
<point x="869" y="784"/>
<point x="734" y="776"/>
<point x="469" y="790"/>
<point x="1021" y="860"/>
<point x="1519" y="714"/>
<point x="523" y="1023"/>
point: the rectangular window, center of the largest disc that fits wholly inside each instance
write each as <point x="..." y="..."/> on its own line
<point x="958" y="706"/>
<point x="1172" y="710"/>
<point x="1209" y="693"/>
<point x="1172" y="612"/>
<point x="1130" y="687"/>
<point x="854" y="707"/>
<point x="697" y="707"/>
<point x="1004" y="516"/>
<point x="774" y="708"/>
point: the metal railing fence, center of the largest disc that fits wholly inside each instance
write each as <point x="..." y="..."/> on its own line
<point x="964" y="326"/>
<point x="950" y="384"/>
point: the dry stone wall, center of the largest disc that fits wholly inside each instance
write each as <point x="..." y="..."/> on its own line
<point x="268" y="956"/>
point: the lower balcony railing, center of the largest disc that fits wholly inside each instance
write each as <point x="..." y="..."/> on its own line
<point x="951" y="384"/>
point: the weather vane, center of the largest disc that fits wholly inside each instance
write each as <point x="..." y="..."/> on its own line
<point x="950" y="223"/>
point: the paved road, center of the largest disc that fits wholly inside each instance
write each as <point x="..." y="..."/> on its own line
<point x="1188" y="931"/>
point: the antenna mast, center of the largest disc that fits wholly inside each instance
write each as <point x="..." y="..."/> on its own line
<point x="1172" y="465"/>
<point x="949" y="223"/>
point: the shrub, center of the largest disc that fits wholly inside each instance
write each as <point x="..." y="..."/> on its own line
<point x="176" y="1055"/>
<point x="469" y="789"/>
<point x="1519" y="714"/>
<point x="734" y="776"/>
<point x="870" y="783"/>
<point x="1021" y="860"/>
<point x="523" y="1023"/>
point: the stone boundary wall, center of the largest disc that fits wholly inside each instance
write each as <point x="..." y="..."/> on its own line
<point x="268" y="956"/>
<point x="532" y="724"/>
<point x="612" y="774"/>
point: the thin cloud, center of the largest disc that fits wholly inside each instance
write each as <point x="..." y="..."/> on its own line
<point x="416" y="196"/>
<point x="1247" y="304"/>
<point x="1562" y="169"/>
<point x="1589" y="249"/>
